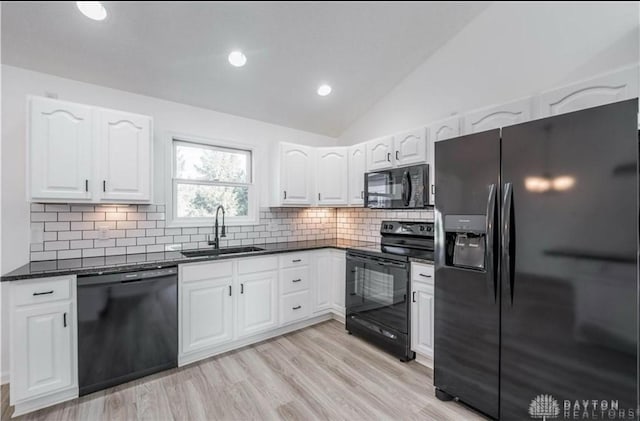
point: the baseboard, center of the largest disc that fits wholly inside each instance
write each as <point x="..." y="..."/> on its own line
<point x="190" y="358"/>
<point x="425" y="360"/>
<point x="4" y="377"/>
<point x="337" y="316"/>
<point x="24" y="407"/>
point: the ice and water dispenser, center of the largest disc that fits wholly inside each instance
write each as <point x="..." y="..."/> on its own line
<point x="465" y="239"/>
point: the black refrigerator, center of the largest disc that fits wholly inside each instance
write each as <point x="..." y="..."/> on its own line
<point x="536" y="282"/>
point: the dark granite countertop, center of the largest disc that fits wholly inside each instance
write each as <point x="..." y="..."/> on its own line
<point x="133" y="262"/>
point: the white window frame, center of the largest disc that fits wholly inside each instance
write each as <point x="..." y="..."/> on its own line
<point x="170" y="186"/>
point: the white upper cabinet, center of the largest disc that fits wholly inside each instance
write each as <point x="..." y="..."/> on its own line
<point x="498" y="116"/>
<point x="296" y="175"/>
<point x="332" y="175"/>
<point x="125" y="156"/>
<point x="61" y="150"/>
<point x="410" y="147"/>
<point x="357" y="169"/>
<point x="380" y="154"/>
<point x="613" y="87"/>
<point x="436" y="132"/>
<point x="79" y="153"/>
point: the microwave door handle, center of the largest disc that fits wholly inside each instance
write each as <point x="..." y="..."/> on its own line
<point x="406" y="188"/>
<point x="490" y="222"/>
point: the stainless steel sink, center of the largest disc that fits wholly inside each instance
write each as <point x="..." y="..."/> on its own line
<point x="217" y="252"/>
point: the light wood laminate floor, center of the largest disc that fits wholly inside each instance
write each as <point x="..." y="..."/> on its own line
<point x="319" y="372"/>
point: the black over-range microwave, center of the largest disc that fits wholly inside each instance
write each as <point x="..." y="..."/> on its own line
<point x="398" y="188"/>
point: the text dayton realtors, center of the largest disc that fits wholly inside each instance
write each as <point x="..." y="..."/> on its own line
<point x="597" y="410"/>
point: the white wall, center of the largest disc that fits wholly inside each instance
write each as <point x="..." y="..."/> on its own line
<point x="168" y="117"/>
<point x="511" y="50"/>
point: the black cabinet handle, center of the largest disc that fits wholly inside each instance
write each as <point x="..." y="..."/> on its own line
<point x="426" y="276"/>
<point x="389" y="156"/>
<point x="285" y="194"/>
<point x="296" y="280"/>
<point x="64" y="319"/>
<point x="296" y="260"/>
<point x="104" y="185"/>
<point x="296" y="308"/>
<point x="241" y="288"/>
<point x="318" y="196"/>
<point x="86" y="185"/>
<point x="413" y="296"/>
<point x="43" y="293"/>
<point x="229" y="290"/>
<point x="397" y="158"/>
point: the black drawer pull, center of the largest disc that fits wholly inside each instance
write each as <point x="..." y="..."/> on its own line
<point x="64" y="319"/>
<point x="426" y="276"/>
<point x="296" y="280"/>
<point x="296" y="261"/>
<point x="296" y="308"/>
<point x="43" y="293"/>
<point x="413" y="297"/>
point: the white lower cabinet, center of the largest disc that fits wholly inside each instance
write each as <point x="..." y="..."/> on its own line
<point x="338" y="280"/>
<point x="43" y="343"/>
<point x="322" y="285"/>
<point x="422" y="305"/>
<point x="294" y="307"/>
<point x="257" y="303"/>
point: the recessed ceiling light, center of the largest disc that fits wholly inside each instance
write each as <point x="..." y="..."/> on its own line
<point x="237" y="59"/>
<point x="324" y="90"/>
<point x="92" y="9"/>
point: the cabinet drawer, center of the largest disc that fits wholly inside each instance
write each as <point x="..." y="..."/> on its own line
<point x="294" y="259"/>
<point x="294" y="307"/>
<point x="41" y="290"/>
<point x="421" y="272"/>
<point x="294" y="279"/>
<point x="257" y="264"/>
<point x="200" y="271"/>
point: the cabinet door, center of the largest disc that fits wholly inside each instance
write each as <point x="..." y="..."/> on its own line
<point x="498" y="116"/>
<point x="332" y="176"/>
<point x="422" y="318"/>
<point x="357" y="169"/>
<point x="613" y="87"/>
<point x="60" y="149"/>
<point x="410" y="147"/>
<point x="322" y="282"/>
<point x="206" y="314"/>
<point x="125" y="156"/>
<point x="42" y="350"/>
<point x="338" y="268"/>
<point x="257" y="303"/>
<point x="441" y="130"/>
<point x="380" y="154"/>
<point x="296" y="169"/>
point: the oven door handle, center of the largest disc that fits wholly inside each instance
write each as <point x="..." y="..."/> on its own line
<point x="373" y="260"/>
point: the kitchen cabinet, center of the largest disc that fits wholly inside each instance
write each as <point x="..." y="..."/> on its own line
<point x="125" y="156"/>
<point x="357" y="169"/>
<point x="498" y="116"/>
<point x="79" y="153"/>
<point x="380" y="154"/>
<point x="338" y="278"/>
<point x="323" y="280"/>
<point x="422" y="305"/>
<point x="332" y="175"/>
<point x="410" y="147"/>
<point x="43" y="343"/>
<point x="438" y="131"/>
<point x="296" y="175"/>
<point x="616" y="86"/>
<point x="61" y="150"/>
<point x="257" y="303"/>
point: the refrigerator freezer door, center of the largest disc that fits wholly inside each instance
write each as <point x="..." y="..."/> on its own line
<point x="569" y="288"/>
<point x="466" y="353"/>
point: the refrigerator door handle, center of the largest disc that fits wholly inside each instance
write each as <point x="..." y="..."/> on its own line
<point x="490" y="222"/>
<point x="507" y="276"/>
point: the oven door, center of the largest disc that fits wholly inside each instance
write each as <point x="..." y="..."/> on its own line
<point x="376" y="290"/>
<point x="397" y="188"/>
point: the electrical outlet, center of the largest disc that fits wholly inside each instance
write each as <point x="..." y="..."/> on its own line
<point x="273" y="226"/>
<point x="104" y="233"/>
<point x="37" y="235"/>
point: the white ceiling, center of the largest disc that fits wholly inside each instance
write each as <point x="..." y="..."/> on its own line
<point x="178" y="51"/>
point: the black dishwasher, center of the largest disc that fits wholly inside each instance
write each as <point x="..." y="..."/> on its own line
<point x="127" y="326"/>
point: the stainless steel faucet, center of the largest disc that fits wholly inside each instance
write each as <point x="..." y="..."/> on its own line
<point x="216" y="241"/>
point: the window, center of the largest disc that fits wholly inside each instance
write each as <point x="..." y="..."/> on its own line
<point x="206" y="176"/>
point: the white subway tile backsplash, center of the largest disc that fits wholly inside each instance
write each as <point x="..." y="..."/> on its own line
<point x="122" y="225"/>
<point x="70" y="235"/>
<point x="81" y="244"/>
<point x="69" y="216"/>
<point x="93" y="216"/>
<point x="95" y="252"/>
<point x="69" y="254"/>
<point x="81" y="226"/>
<point x="42" y="216"/>
<point x="56" y="245"/>
<point x="56" y="226"/>
<point x="125" y="242"/>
